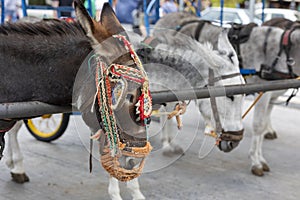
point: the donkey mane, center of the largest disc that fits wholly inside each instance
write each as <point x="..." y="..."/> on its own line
<point x="44" y="27"/>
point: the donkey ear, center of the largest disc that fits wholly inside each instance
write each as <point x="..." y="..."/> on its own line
<point x="109" y="20"/>
<point x="83" y="17"/>
<point x="225" y="48"/>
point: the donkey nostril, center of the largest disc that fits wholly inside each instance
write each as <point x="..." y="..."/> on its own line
<point x="129" y="97"/>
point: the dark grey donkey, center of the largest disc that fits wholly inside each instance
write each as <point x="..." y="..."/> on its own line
<point x="41" y="61"/>
<point x="185" y="63"/>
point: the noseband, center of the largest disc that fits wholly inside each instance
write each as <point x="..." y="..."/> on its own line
<point x="114" y="148"/>
<point x="228" y="140"/>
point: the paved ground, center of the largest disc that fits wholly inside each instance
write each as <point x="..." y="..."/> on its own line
<point x="59" y="170"/>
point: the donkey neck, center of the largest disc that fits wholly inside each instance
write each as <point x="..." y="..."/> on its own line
<point x="39" y="64"/>
<point x="175" y="68"/>
<point x="295" y="48"/>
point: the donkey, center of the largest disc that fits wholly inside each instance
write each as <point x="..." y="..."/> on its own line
<point x="281" y="23"/>
<point x="164" y="59"/>
<point x="183" y="63"/>
<point x="164" y="66"/>
<point x="45" y="61"/>
<point x="186" y="64"/>
<point x="261" y="51"/>
<point x="292" y="47"/>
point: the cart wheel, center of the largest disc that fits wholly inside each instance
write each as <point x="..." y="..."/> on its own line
<point x="48" y="127"/>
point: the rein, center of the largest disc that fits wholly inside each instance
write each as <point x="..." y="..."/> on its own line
<point x="113" y="77"/>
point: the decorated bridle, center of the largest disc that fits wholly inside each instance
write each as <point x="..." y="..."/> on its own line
<point x="110" y="83"/>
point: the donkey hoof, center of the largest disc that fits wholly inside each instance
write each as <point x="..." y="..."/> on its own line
<point x="266" y="168"/>
<point x="271" y="136"/>
<point x="257" y="171"/>
<point x="19" y="178"/>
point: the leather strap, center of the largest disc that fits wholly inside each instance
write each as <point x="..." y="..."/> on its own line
<point x="213" y="102"/>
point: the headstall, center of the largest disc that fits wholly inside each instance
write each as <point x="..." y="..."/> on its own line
<point x="109" y="97"/>
<point x="225" y="140"/>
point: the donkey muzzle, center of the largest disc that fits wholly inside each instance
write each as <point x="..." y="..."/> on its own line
<point x="230" y="140"/>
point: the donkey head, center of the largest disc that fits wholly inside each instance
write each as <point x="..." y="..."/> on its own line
<point x="226" y="72"/>
<point x="123" y="98"/>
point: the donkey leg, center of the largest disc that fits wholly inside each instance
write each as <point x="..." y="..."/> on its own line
<point x="2" y="144"/>
<point x="165" y="134"/>
<point x="134" y="189"/>
<point x="268" y="130"/>
<point x="175" y="148"/>
<point x="262" y="160"/>
<point x="256" y="168"/>
<point x="271" y="133"/>
<point x="259" y="129"/>
<point x="15" y="157"/>
<point x="169" y="148"/>
<point x="113" y="189"/>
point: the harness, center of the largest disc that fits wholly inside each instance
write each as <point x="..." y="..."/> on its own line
<point x="225" y="140"/>
<point x="110" y="82"/>
<point x="239" y="34"/>
<point x="269" y="72"/>
<point x="198" y="30"/>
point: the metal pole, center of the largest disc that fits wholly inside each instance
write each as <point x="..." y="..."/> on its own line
<point x="33" y="109"/>
<point x="147" y="11"/>
<point x="199" y="93"/>
<point x="30" y="109"/>
<point x="198" y="11"/>
<point x="2" y="12"/>
<point x="293" y="5"/>
<point x="263" y="11"/>
<point x="157" y="6"/>
<point x="90" y="9"/>
<point x="221" y="13"/>
<point x="24" y="8"/>
<point x="146" y="18"/>
<point x="181" y="5"/>
<point x="251" y="9"/>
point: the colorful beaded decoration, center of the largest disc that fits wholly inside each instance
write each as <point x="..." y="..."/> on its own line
<point x="106" y="97"/>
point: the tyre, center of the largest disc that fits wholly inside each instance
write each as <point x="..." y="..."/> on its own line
<point x="48" y="127"/>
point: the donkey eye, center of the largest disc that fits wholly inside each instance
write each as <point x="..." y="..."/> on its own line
<point x="231" y="98"/>
<point x="230" y="55"/>
<point x="222" y="52"/>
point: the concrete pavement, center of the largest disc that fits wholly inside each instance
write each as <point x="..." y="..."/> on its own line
<point x="59" y="170"/>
